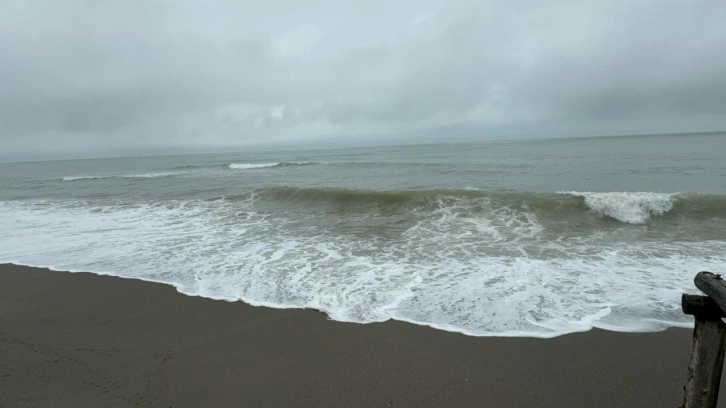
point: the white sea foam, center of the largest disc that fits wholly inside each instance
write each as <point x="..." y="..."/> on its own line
<point x="244" y="166"/>
<point x="75" y="178"/>
<point x="627" y="207"/>
<point x="479" y="273"/>
<point x="142" y="175"/>
<point x="151" y="175"/>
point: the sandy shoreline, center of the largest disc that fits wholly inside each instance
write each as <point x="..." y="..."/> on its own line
<point x="82" y="340"/>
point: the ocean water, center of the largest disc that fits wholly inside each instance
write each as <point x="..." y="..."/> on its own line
<point x="525" y="238"/>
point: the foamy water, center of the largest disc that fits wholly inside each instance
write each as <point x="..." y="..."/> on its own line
<point x="628" y="207"/>
<point x="366" y="236"/>
<point x="122" y="176"/>
<point x="492" y="273"/>
<point x="246" y="166"/>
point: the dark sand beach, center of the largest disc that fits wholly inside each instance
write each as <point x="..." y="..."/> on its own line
<point x="82" y="340"/>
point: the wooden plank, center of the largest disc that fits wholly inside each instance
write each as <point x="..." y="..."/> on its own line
<point x="702" y="307"/>
<point x="712" y="285"/>
<point x="704" y="371"/>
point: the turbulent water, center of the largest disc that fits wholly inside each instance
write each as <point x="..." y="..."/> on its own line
<point x="528" y="238"/>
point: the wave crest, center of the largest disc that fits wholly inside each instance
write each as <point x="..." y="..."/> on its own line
<point x="76" y="178"/>
<point x="92" y="177"/>
<point x="244" y="166"/>
<point x="627" y="207"/>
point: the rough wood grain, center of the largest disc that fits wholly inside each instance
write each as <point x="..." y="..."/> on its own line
<point x="713" y="286"/>
<point x="704" y="371"/>
<point x="701" y="306"/>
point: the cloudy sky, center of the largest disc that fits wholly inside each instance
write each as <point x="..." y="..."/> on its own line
<point x="122" y="75"/>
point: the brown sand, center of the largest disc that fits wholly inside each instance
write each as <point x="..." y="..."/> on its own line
<point x="81" y="340"/>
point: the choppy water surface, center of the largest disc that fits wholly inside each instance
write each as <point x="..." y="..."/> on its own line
<point x="530" y="238"/>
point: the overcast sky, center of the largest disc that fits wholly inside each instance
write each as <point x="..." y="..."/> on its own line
<point x="122" y="75"/>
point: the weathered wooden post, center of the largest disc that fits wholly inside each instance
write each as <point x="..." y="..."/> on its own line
<point x="709" y="341"/>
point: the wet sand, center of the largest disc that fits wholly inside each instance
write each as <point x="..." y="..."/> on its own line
<point x="82" y="340"/>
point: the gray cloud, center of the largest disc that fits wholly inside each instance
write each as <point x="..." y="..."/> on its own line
<point x="99" y="76"/>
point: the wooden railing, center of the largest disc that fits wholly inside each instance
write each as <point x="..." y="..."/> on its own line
<point x="709" y="341"/>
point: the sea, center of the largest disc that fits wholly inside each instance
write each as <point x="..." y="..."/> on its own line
<point x="531" y="238"/>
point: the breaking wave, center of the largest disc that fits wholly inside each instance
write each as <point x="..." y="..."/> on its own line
<point x="455" y="260"/>
<point x="624" y="207"/>
<point x="246" y="166"/>
<point x="96" y="177"/>
<point x="76" y="178"/>
<point x="627" y="207"/>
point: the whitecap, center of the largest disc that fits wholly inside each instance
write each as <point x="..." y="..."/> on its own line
<point x="76" y="178"/>
<point x="245" y="166"/>
<point x="627" y="207"/>
<point x="141" y="175"/>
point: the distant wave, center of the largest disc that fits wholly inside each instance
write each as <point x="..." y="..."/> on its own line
<point x="144" y="175"/>
<point x="627" y="207"/>
<point x="75" y="178"/>
<point x="246" y="166"/>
